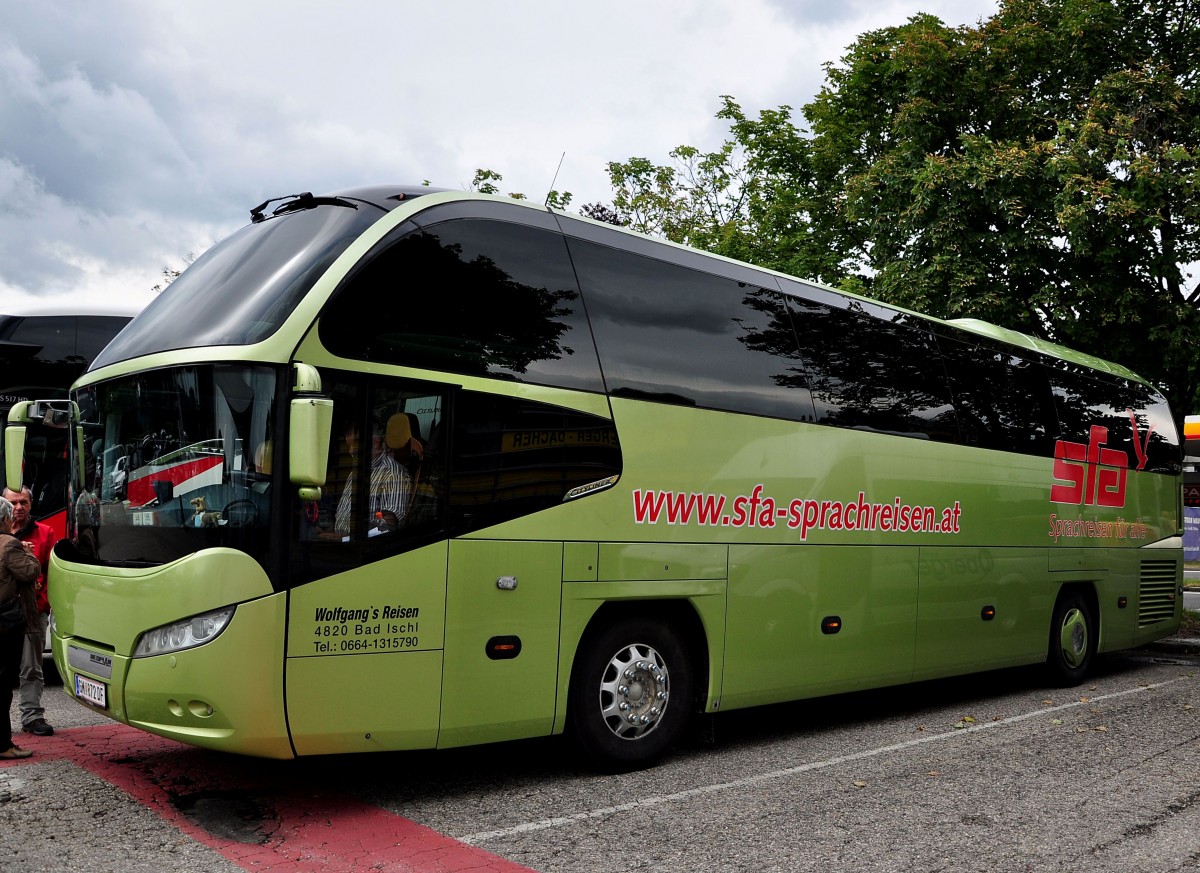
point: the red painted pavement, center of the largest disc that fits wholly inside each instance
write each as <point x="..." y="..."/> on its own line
<point x="310" y="829"/>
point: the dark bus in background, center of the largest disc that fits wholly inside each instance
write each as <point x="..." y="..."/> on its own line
<point x="45" y="347"/>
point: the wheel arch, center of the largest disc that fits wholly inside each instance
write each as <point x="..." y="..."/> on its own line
<point x="1074" y="620"/>
<point x="667" y="631"/>
<point x="1086" y="588"/>
<point x="677" y="612"/>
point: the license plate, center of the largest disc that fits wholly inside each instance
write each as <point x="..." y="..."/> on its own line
<point x="91" y="691"/>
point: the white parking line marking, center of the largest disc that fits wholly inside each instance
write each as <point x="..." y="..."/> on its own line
<point x="700" y="791"/>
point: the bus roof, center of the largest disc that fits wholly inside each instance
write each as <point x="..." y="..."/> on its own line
<point x="1016" y="338"/>
<point x="68" y="306"/>
<point x="389" y="197"/>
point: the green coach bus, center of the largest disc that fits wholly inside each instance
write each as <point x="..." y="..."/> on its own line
<point x="408" y="468"/>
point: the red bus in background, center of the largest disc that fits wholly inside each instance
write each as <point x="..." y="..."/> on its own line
<point x="186" y="469"/>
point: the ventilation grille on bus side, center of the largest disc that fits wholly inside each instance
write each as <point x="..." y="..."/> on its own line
<point x="1156" y="592"/>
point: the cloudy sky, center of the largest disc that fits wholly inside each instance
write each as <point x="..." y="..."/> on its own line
<point x="134" y="132"/>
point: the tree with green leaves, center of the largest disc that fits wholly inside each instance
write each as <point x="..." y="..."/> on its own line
<point x="752" y="198"/>
<point x="1037" y="170"/>
<point x="170" y="274"/>
<point x="487" y="182"/>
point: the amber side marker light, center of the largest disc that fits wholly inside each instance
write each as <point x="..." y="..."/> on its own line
<point x="831" y="624"/>
<point x="987" y="613"/>
<point x="1122" y="602"/>
<point x="503" y="648"/>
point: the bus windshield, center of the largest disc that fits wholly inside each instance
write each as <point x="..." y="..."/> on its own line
<point x="249" y="283"/>
<point x="174" y="460"/>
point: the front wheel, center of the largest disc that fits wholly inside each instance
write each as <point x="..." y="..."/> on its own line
<point x="630" y="693"/>
<point x="1072" y="639"/>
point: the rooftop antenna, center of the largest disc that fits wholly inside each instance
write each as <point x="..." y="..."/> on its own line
<point x="546" y="202"/>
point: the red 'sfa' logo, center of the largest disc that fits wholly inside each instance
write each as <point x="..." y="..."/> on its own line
<point x="1094" y="473"/>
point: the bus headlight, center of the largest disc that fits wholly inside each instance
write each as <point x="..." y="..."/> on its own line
<point x="184" y="634"/>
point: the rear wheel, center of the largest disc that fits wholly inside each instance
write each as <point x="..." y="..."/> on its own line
<point x="630" y="693"/>
<point x="1072" y="639"/>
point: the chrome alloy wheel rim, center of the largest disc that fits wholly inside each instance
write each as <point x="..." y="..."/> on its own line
<point x="1073" y="638"/>
<point x="634" y="691"/>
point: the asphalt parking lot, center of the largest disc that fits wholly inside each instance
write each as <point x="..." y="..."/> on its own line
<point x="995" y="771"/>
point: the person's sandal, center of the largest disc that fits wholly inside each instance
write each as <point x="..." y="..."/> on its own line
<point x="14" y="753"/>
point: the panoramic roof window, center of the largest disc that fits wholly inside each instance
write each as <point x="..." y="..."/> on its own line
<point x="472" y="296"/>
<point x="673" y="334"/>
<point x="870" y="367"/>
<point x="246" y="285"/>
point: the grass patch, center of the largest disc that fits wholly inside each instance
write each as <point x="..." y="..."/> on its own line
<point x="1190" y="626"/>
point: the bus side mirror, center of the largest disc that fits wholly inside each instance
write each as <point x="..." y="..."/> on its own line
<point x="308" y="444"/>
<point x="14" y="446"/>
<point x="14" y="457"/>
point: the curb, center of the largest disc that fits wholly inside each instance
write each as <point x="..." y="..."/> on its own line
<point x="1175" y="646"/>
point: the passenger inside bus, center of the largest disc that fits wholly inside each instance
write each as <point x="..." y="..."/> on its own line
<point x="407" y="449"/>
<point x="390" y="483"/>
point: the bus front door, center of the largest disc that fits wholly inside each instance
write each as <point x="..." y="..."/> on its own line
<point x="364" y="665"/>
<point x="501" y="663"/>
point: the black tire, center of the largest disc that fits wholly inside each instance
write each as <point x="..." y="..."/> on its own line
<point x="643" y="665"/>
<point x="1072" y="639"/>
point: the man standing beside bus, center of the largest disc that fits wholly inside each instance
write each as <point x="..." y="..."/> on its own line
<point x="42" y="538"/>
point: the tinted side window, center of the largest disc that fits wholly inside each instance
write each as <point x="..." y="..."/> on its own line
<point x="410" y="463"/>
<point x="1136" y="418"/>
<point x="38" y="358"/>
<point x="1003" y="401"/>
<point x="870" y="367"/>
<point x="511" y="457"/>
<point x="385" y="488"/>
<point x="49" y="338"/>
<point x="670" y="333"/>
<point x="473" y="296"/>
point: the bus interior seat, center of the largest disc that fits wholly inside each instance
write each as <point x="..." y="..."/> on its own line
<point x="402" y="441"/>
<point x="263" y="457"/>
<point x="263" y="460"/>
<point x="407" y="450"/>
<point x="414" y="424"/>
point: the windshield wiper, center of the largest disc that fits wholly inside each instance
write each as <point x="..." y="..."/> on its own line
<point x="296" y="202"/>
